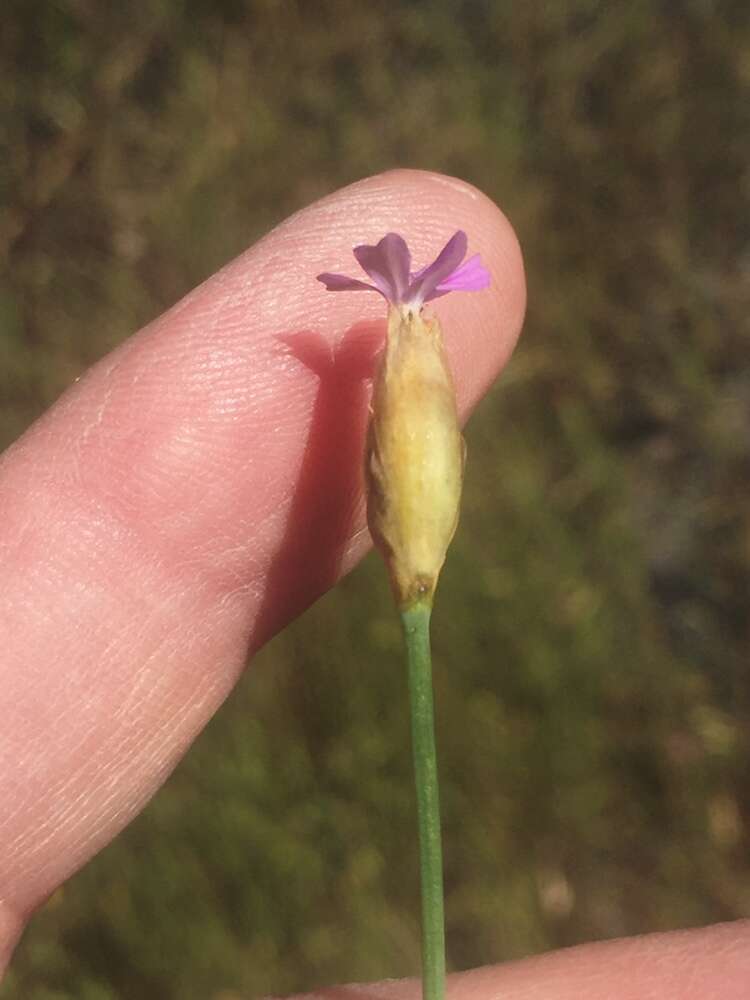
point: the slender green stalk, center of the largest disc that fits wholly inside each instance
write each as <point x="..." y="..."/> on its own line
<point x="416" y="624"/>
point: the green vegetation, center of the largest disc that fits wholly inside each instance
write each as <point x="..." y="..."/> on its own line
<point x="591" y="633"/>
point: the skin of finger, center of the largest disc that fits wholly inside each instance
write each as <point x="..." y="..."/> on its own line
<point x="711" y="963"/>
<point x="153" y="525"/>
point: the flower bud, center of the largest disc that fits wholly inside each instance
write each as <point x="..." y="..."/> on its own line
<point x="415" y="456"/>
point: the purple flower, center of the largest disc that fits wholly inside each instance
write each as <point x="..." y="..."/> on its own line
<point x="388" y="263"/>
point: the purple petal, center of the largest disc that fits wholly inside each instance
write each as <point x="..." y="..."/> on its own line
<point x="341" y="283"/>
<point x="471" y="276"/>
<point x="447" y="261"/>
<point x="387" y="265"/>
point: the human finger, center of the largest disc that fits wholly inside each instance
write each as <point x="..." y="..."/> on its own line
<point x="712" y="962"/>
<point x="191" y="493"/>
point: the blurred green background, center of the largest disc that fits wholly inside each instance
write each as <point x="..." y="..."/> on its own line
<point x="591" y="634"/>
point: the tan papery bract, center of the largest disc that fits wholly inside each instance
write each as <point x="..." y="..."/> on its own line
<point x="415" y="456"/>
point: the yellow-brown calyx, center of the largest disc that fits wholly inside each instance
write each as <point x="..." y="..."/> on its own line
<point x="415" y="456"/>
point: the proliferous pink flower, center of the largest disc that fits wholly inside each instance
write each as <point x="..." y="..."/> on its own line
<point x="388" y="265"/>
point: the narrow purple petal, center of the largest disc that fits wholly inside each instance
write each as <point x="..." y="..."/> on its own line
<point x="387" y="265"/>
<point x="447" y="261"/>
<point x="471" y="276"/>
<point x="341" y="283"/>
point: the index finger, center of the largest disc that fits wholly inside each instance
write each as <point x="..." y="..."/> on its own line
<point x="193" y="491"/>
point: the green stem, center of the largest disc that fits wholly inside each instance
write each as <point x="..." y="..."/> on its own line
<point x="416" y="623"/>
